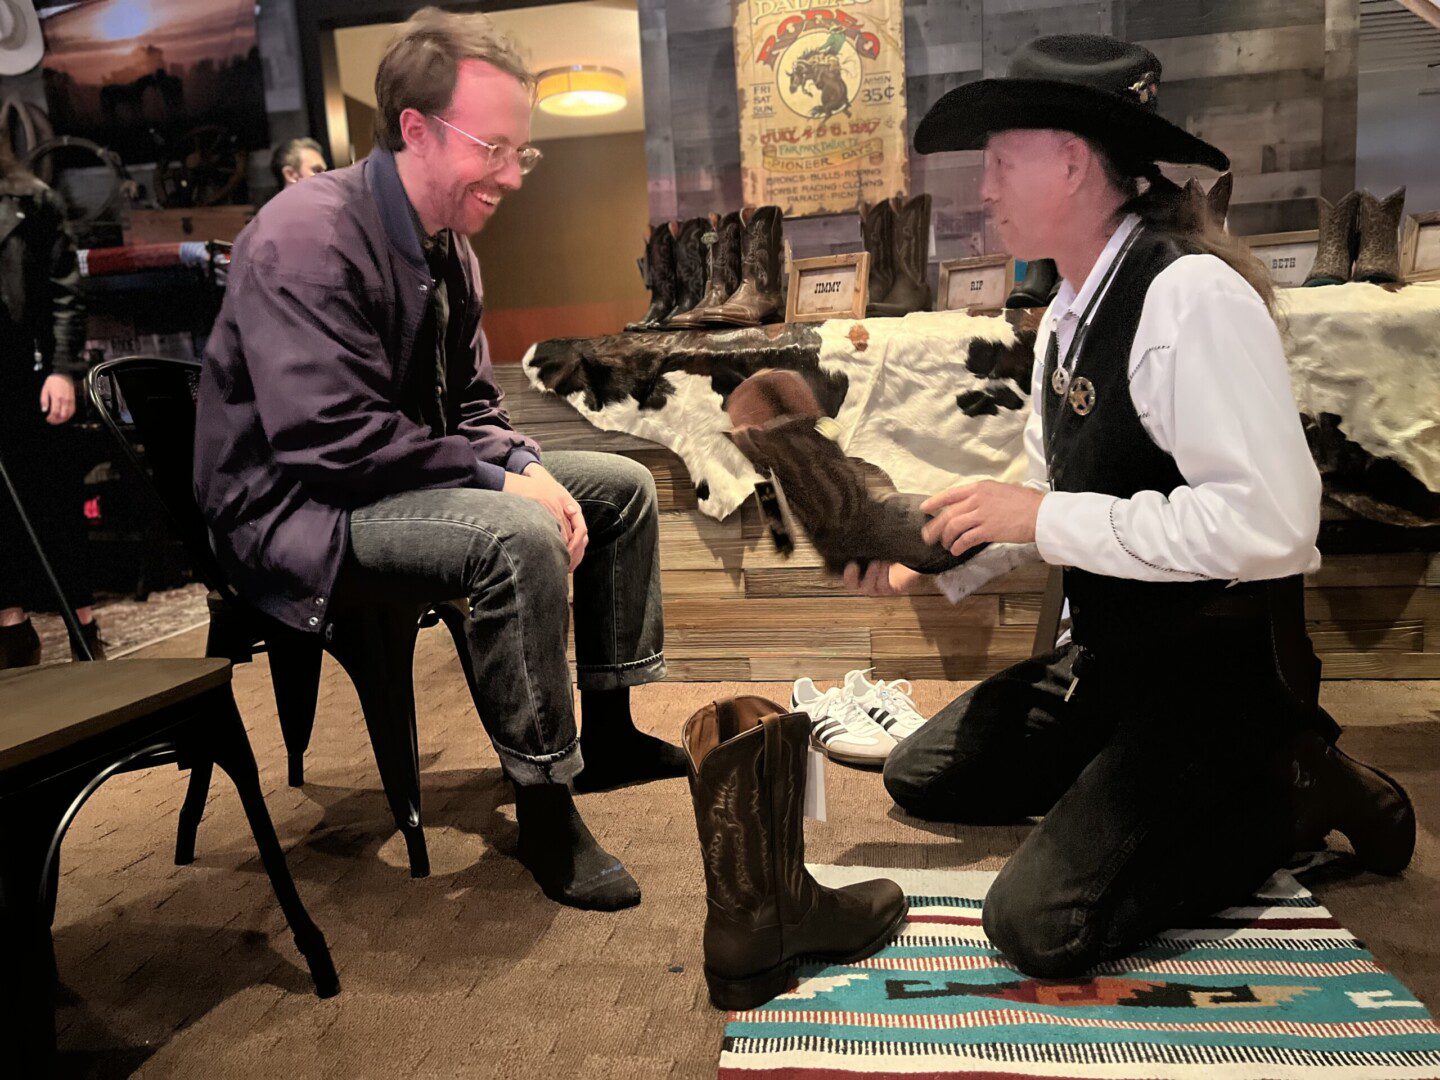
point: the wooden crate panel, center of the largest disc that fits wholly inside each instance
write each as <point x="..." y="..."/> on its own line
<point x="1406" y="636"/>
<point x="816" y="617"/>
<point x="1357" y="571"/>
<point x="1372" y="605"/>
<point x="1381" y="665"/>
<point x="725" y="669"/>
<point x="753" y="643"/>
<point x="691" y="541"/>
<point x="780" y="668"/>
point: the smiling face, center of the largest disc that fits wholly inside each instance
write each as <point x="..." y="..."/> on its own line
<point x="460" y="189"/>
<point x="1028" y="187"/>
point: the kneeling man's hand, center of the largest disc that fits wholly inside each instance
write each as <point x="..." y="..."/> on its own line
<point x="880" y="579"/>
<point x="987" y="512"/>
<point x="539" y="485"/>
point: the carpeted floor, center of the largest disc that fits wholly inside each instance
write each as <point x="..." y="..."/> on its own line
<point x="187" y="971"/>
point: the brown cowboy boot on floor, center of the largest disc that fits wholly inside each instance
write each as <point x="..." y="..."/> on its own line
<point x="1332" y="792"/>
<point x="659" y="276"/>
<point x="758" y="299"/>
<point x="1335" y="252"/>
<point x="724" y="273"/>
<point x="877" y="226"/>
<point x="1378" y="225"/>
<point x="763" y="909"/>
<point x="689" y="268"/>
<point x="19" y="645"/>
<point x="911" y="291"/>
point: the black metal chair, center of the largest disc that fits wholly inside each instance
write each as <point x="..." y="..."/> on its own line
<point x="375" y="644"/>
<point x="64" y="731"/>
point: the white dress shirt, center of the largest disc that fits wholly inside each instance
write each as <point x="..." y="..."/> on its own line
<point x="1210" y="383"/>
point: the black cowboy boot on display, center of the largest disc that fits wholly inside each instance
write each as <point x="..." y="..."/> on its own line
<point x="1332" y="792"/>
<point x="1039" y="286"/>
<point x="659" y="276"/>
<point x="724" y="277"/>
<point x="763" y="909"/>
<point x="19" y="645"/>
<point x="911" y="291"/>
<point x="689" y="267"/>
<point x="877" y="226"/>
<point x="1377" y="259"/>
<point x="1335" y="252"/>
<point x="758" y="299"/>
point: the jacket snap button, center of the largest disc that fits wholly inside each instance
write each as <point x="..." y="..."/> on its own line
<point x="314" y="621"/>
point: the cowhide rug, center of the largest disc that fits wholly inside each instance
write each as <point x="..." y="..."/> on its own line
<point x="939" y="398"/>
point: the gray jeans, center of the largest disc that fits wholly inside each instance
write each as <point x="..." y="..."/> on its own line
<point x="505" y="555"/>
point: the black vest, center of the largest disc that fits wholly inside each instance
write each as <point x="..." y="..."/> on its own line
<point x="1108" y="450"/>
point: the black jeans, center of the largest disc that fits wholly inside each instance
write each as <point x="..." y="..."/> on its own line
<point x="505" y="555"/>
<point x="1162" y="784"/>
<point x="44" y="463"/>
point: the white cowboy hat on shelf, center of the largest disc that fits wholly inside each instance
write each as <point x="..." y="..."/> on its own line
<point x="21" y="44"/>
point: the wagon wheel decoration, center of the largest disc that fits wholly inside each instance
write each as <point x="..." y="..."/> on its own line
<point x="73" y="151"/>
<point x="202" y="167"/>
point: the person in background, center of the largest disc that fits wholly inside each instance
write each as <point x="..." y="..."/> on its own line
<point x="42" y="335"/>
<point x="295" y="160"/>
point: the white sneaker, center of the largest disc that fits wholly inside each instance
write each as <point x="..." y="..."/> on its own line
<point x="838" y="728"/>
<point x="887" y="703"/>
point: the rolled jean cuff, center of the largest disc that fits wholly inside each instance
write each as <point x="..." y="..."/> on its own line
<point x="525" y="769"/>
<point x="615" y="676"/>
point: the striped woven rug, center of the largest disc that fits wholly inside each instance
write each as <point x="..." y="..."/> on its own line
<point x="1273" y="990"/>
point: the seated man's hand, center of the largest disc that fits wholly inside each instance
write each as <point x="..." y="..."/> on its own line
<point x="535" y="483"/>
<point x="987" y="512"/>
<point x="881" y="579"/>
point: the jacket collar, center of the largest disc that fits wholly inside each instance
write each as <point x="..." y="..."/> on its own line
<point x="383" y="178"/>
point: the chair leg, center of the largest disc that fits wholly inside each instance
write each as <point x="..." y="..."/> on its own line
<point x="230" y="749"/>
<point x="295" y="673"/>
<point x="27" y="991"/>
<point x="191" y="810"/>
<point x="377" y="649"/>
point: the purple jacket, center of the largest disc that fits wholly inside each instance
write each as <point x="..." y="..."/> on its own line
<point x="298" y="407"/>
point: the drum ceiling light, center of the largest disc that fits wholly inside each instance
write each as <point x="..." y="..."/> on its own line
<point x="581" y="90"/>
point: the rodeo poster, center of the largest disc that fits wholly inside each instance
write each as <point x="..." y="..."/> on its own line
<point x="822" y="103"/>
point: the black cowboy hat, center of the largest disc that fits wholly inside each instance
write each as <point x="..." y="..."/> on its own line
<point x="1095" y="86"/>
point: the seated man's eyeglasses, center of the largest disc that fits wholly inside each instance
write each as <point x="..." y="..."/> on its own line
<point x="499" y="155"/>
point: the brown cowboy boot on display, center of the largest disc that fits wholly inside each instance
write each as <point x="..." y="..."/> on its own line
<point x="1218" y="199"/>
<point x="1378" y="226"/>
<point x="724" y="276"/>
<point x="1332" y="792"/>
<point x="659" y="276"/>
<point x="1335" y="252"/>
<point x="911" y="291"/>
<point x="763" y="909"/>
<point x="780" y="428"/>
<point x="19" y="645"/>
<point x="689" y="267"/>
<point x="758" y="299"/>
<point x="877" y="226"/>
<point x="1038" y="288"/>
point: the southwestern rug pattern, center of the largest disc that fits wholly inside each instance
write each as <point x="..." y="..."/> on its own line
<point x="1273" y="990"/>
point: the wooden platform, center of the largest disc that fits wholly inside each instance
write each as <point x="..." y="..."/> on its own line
<point x="735" y="609"/>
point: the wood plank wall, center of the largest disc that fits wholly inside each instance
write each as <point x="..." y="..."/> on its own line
<point x="735" y="609"/>
<point x="1273" y="82"/>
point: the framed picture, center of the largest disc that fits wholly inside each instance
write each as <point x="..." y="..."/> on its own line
<point x="830" y="287"/>
<point x="1288" y="255"/>
<point x="1420" y="247"/>
<point x="978" y="284"/>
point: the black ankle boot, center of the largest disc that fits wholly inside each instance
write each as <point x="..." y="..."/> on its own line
<point x="91" y="632"/>
<point x="19" y="645"/>
<point x="568" y="864"/>
<point x="1038" y="287"/>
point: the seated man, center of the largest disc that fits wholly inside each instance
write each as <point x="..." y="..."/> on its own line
<point x="351" y="443"/>
<point x="1176" y="749"/>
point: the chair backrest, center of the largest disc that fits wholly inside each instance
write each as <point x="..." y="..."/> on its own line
<point x="159" y="394"/>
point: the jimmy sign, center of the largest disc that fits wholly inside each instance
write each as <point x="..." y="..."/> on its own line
<point x="822" y="102"/>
